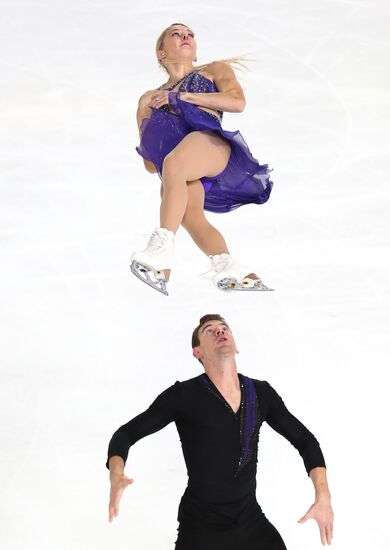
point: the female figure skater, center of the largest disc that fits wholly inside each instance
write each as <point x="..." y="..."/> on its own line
<point x="201" y="166"/>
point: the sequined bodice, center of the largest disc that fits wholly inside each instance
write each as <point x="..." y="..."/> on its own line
<point x="193" y="82"/>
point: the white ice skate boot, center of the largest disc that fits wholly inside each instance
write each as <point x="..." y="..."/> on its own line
<point x="232" y="274"/>
<point x="149" y="264"/>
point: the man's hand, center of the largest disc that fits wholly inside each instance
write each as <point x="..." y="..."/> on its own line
<point x="119" y="482"/>
<point x="321" y="511"/>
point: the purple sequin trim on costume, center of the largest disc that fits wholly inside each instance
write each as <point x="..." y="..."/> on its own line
<point x="249" y="421"/>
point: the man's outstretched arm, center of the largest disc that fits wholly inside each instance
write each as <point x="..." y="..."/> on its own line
<point x="321" y="511"/>
<point x="281" y="420"/>
<point x="160" y="413"/>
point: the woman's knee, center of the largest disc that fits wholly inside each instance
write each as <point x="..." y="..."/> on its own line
<point x="172" y="166"/>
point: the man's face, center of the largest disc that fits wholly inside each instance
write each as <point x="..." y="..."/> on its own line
<point x="215" y="340"/>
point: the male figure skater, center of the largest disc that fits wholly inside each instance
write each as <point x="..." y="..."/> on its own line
<point x="218" y="416"/>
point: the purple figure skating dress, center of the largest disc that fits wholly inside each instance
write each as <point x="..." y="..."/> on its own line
<point x="243" y="181"/>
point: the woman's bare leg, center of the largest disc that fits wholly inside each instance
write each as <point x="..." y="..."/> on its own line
<point x="199" y="154"/>
<point x="207" y="237"/>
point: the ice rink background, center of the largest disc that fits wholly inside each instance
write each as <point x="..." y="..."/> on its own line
<point x="85" y="346"/>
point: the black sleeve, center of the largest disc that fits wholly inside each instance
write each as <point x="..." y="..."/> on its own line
<point x="283" y="422"/>
<point x="161" y="412"/>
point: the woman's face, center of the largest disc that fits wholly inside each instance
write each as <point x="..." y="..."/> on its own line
<point x="179" y="43"/>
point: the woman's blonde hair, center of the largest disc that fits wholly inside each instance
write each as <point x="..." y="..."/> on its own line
<point x="238" y="62"/>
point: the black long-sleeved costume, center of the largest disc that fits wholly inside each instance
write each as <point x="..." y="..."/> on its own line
<point x="220" y="451"/>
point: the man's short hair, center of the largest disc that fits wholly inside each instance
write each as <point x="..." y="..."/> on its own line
<point x="202" y="321"/>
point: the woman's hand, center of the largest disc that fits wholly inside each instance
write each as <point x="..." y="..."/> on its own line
<point x="159" y="98"/>
<point x="119" y="482"/>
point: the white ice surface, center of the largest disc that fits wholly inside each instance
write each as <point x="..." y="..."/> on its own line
<point x="85" y="346"/>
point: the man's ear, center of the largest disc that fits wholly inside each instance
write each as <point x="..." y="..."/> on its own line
<point x="196" y="353"/>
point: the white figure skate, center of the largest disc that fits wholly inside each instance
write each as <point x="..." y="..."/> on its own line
<point x="149" y="264"/>
<point x="231" y="275"/>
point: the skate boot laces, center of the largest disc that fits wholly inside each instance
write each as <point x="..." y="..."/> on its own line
<point x="160" y="239"/>
<point x="220" y="262"/>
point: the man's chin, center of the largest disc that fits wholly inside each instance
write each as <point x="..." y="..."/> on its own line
<point x="225" y="347"/>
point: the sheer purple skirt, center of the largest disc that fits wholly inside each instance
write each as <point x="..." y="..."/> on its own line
<point x="243" y="181"/>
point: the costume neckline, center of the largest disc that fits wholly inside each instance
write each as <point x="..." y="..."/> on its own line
<point x="207" y="380"/>
<point x="177" y="82"/>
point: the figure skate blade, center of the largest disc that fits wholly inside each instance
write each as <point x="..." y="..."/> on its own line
<point x="246" y="285"/>
<point x="143" y="272"/>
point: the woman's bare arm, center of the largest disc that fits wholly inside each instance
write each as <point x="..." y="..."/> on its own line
<point x="229" y="98"/>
